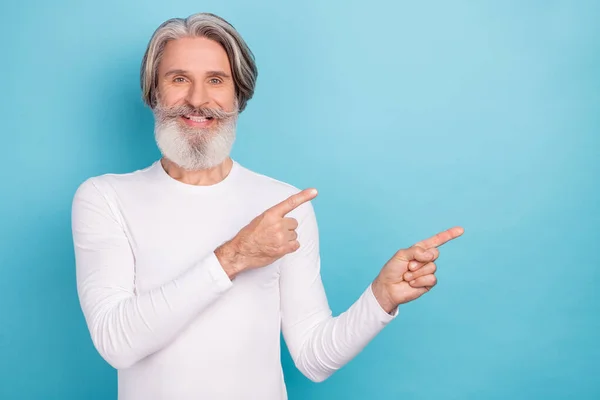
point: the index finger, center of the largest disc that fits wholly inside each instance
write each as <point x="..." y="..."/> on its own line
<point x="293" y="202"/>
<point x="441" y="238"/>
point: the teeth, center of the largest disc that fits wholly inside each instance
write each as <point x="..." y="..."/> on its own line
<point x="196" y="118"/>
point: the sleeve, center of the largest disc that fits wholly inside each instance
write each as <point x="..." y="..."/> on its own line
<point x="319" y="343"/>
<point x="126" y="326"/>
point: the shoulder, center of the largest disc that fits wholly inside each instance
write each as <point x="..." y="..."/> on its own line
<point x="101" y="188"/>
<point x="273" y="191"/>
<point x="268" y="183"/>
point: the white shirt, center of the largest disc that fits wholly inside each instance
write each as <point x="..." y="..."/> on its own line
<point x="161" y="309"/>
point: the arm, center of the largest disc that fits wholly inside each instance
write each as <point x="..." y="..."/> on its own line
<point x="126" y="325"/>
<point x="319" y="343"/>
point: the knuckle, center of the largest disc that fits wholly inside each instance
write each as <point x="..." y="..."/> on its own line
<point x="433" y="267"/>
<point x="402" y="254"/>
<point x="292" y="247"/>
<point x="280" y="237"/>
<point x="419" y="252"/>
<point x="269" y="216"/>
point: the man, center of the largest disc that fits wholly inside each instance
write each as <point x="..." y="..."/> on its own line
<point x="189" y="270"/>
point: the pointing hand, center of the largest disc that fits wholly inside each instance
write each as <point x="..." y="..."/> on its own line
<point x="411" y="272"/>
<point x="268" y="237"/>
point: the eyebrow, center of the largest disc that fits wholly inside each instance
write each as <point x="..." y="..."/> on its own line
<point x="221" y="74"/>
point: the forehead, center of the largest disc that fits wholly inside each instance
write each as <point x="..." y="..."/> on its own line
<point x="194" y="54"/>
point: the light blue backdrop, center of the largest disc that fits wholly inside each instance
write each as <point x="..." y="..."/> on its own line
<point x="409" y="117"/>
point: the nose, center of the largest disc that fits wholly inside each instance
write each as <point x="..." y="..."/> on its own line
<point x="197" y="95"/>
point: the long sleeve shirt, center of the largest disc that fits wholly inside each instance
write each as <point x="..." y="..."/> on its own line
<point x="162" y="311"/>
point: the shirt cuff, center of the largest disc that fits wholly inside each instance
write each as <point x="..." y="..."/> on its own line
<point x="217" y="273"/>
<point x="376" y="307"/>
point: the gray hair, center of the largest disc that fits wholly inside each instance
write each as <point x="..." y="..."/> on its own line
<point x="212" y="27"/>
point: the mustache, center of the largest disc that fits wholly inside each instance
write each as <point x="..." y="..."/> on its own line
<point x="186" y="109"/>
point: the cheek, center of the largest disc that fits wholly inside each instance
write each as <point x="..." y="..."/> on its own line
<point x="170" y="96"/>
<point x="224" y="97"/>
<point x="227" y="102"/>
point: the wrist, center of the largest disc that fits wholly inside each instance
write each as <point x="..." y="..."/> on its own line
<point x="230" y="258"/>
<point x="382" y="296"/>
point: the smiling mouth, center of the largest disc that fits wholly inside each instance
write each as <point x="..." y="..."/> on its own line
<point x="197" y="121"/>
<point x="196" y="118"/>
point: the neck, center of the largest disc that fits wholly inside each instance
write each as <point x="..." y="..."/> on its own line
<point x="203" y="177"/>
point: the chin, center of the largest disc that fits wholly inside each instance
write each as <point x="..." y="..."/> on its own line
<point x="198" y="150"/>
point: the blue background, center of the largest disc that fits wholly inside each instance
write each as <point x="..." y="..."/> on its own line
<point x="409" y="117"/>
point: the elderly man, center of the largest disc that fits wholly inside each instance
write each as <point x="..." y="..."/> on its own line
<point x="188" y="270"/>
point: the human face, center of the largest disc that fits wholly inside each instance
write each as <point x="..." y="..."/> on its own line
<point x="196" y="112"/>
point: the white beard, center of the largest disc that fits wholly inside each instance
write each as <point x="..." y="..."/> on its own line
<point x="192" y="148"/>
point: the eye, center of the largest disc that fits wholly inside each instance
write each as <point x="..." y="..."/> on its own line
<point x="179" y="79"/>
<point x="215" y="81"/>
